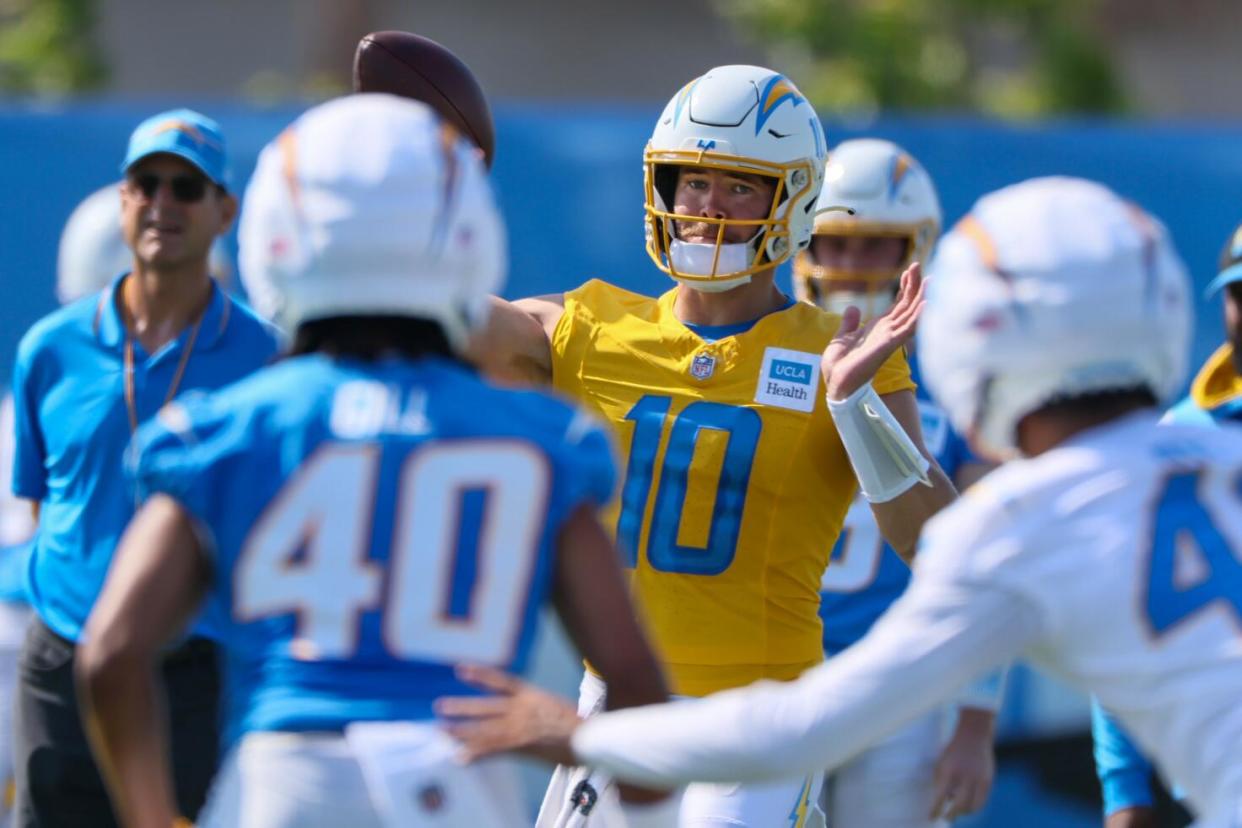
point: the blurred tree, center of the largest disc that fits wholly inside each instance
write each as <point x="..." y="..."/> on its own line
<point x="47" y="47"/>
<point x="1013" y="58"/>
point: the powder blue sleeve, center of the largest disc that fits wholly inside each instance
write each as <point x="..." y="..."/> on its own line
<point x="185" y="453"/>
<point x="192" y="451"/>
<point x="1124" y="773"/>
<point x="591" y="468"/>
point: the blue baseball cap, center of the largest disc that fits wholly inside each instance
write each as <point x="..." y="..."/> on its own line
<point x="1230" y="263"/>
<point x="186" y="134"/>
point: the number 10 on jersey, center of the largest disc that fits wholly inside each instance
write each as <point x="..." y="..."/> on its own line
<point x="650" y="416"/>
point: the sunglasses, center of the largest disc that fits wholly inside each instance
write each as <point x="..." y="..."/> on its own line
<point x="187" y="189"/>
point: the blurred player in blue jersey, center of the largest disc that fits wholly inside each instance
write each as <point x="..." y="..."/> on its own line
<point x="85" y="377"/>
<point x="878" y="211"/>
<point x="364" y="514"/>
<point x="1215" y="398"/>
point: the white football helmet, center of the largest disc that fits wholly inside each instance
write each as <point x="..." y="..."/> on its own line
<point x="1051" y="289"/>
<point x="371" y="204"/>
<point x="92" y="251"/>
<point x="871" y="187"/>
<point x="740" y="119"/>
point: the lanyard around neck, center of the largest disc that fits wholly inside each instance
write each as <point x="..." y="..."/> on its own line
<point x="131" y="398"/>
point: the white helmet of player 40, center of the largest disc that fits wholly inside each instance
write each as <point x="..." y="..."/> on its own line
<point x="742" y="119"/>
<point x="371" y="205"/>
<point x="872" y="188"/>
<point x="1051" y="289"/>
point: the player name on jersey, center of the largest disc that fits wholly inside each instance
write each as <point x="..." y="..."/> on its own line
<point x="366" y="408"/>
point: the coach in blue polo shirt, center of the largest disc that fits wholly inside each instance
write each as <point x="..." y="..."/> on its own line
<point x="86" y="377"/>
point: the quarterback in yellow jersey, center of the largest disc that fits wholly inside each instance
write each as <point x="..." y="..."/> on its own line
<point x="746" y="420"/>
<point x="733" y="474"/>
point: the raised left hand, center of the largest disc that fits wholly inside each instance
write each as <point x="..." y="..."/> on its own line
<point x="857" y="352"/>
<point x="966" y="767"/>
<point x="518" y="717"/>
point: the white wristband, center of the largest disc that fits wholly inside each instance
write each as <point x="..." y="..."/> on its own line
<point x="662" y="814"/>
<point x="884" y="458"/>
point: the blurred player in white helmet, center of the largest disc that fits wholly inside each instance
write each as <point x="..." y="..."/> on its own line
<point x="1109" y="551"/>
<point x="358" y="517"/>
<point x="747" y="420"/>
<point x="878" y="212"/>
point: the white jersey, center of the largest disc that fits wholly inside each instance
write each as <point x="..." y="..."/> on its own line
<point x="1113" y="561"/>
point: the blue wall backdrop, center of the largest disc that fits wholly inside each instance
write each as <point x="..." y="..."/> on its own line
<point x="570" y="180"/>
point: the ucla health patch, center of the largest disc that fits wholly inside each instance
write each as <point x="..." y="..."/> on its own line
<point x="788" y="379"/>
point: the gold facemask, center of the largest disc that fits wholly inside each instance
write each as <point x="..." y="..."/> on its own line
<point x="771" y="242"/>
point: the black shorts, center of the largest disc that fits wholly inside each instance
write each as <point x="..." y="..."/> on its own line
<point x="58" y="783"/>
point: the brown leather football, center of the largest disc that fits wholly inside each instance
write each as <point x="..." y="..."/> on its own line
<point x="405" y="64"/>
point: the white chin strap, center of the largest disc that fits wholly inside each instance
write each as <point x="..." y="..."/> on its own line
<point x="695" y="259"/>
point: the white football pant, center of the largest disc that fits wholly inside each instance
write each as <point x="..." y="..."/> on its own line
<point x="319" y="780"/>
<point x="890" y="785"/>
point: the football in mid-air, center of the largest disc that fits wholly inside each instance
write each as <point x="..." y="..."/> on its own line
<point x="405" y="64"/>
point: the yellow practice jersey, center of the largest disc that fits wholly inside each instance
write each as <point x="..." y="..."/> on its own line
<point x="735" y="484"/>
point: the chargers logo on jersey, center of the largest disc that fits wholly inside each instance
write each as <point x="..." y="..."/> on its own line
<point x="788" y="379"/>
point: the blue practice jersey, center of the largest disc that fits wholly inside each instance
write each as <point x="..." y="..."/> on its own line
<point x="372" y="524"/>
<point x="865" y="575"/>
